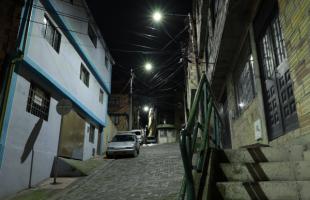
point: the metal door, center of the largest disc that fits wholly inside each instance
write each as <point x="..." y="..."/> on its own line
<point x="279" y="97"/>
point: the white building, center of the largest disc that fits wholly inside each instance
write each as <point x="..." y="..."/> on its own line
<point x="64" y="56"/>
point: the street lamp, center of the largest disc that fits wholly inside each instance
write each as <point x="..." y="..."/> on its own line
<point x="146" y="108"/>
<point x="148" y="66"/>
<point x="157" y="16"/>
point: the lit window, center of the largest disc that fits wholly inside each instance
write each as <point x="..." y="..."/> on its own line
<point x="84" y="75"/>
<point x="92" y="35"/>
<point x="101" y="96"/>
<point x="38" y="102"/>
<point x="245" y="87"/>
<point x="51" y="34"/>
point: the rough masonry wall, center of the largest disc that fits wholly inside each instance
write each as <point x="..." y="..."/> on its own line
<point x="295" y="21"/>
<point x="242" y="125"/>
<point x="109" y="131"/>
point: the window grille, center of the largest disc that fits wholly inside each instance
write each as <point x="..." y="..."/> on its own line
<point x="38" y="102"/>
<point x="101" y="96"/>
<point x="84" y="75"/>
<point x="245" y="87"/>
<point x="92" y="134"/>
<point x="51" y="34"/>
<point x="92" y="35"/>
<point x="273" y="48"/>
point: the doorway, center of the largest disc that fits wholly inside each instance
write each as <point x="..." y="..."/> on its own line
<point x="279" y="100"/>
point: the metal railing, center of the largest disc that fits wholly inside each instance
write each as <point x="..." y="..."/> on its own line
<point x="210" y="135"/>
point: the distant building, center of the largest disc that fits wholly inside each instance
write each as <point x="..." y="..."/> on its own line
<point x="49" y="50"/>
<point x="166" y="133"/>
<point x="118" y="110"/>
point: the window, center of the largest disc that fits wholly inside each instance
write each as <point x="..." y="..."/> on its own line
<point x="38" y="102"/>
<point x="51" y="34"/>
<point x="273" y="47"/>
<point x="115" y="101"/>
<point x="92" y="35"/>
<point x="92" y="134"/>
<point x="101" y="96"/>
<point x="115" y="119"/>
<point x="107" y="63"/>
<point x="245" y="88"/>
<point x="84" y="75"/>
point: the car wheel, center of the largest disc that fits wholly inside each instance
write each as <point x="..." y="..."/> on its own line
<point x="135" y="153"/>
<point x="108" y="156"/>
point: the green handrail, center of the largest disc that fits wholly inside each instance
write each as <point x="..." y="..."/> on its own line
<point x="189" y="134"/>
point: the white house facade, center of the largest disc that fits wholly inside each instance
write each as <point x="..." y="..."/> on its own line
<point x="63" y="56"/>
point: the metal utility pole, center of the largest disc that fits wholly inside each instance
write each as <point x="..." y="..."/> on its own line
<point x="130" y="99"/>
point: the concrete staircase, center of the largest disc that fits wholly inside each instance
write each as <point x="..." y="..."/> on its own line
<point x="263" y="173"/>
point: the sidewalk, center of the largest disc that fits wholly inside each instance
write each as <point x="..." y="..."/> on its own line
<point x="46" y="190"/>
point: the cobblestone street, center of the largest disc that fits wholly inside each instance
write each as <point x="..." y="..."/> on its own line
<point x="155" y="174"/>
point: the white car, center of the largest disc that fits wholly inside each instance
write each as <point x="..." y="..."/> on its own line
<point x="140" y="135"/>
<point x="123" y="144"/>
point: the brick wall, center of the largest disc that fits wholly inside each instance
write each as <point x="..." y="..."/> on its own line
<point x="295" y="21"/>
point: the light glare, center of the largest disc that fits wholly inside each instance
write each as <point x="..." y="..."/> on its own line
<point x="157" y="16"/>
<point x="148" y="66"/>
<point x="146" y="108"/>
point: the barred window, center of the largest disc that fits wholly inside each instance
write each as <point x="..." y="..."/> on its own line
<point x="273" y="47"/>
<point x="84" y="75"/>
<point x="92" y="35"/>
<point x="245" y="88"/>
<point x="51" y="34"/>
<point x="38" y="102"/>
<point x="101" y="96"/>
<point x="92" y="134"/>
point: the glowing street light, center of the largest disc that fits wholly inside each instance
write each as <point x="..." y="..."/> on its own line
<point x="157" y="16"/>
<point x="146" y="108"/>
<point x="148" y="66"/>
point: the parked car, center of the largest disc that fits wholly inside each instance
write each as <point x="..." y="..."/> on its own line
<point x="140" y="135"/>
<point x="123" y="144"/>
<point x="151" y="140"/>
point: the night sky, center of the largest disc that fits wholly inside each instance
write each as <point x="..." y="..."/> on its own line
<point x="133" y="39"/>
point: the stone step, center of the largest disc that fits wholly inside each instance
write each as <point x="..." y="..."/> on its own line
<point x="263" y="154"/>
<point x="307" y="155"/>
<point x="272" y="171"/>
<point x="272" y="190"/>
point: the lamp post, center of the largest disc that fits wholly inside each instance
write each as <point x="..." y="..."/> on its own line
<point x="148" y="67"/>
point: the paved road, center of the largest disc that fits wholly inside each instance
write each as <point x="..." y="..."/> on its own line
<point x="154" y="175"/>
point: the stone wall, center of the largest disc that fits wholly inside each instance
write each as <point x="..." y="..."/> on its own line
<point x="109" y="131"/>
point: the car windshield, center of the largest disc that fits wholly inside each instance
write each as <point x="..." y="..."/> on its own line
<point x="137" y="133"/>
<point x="123" y="138"/>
